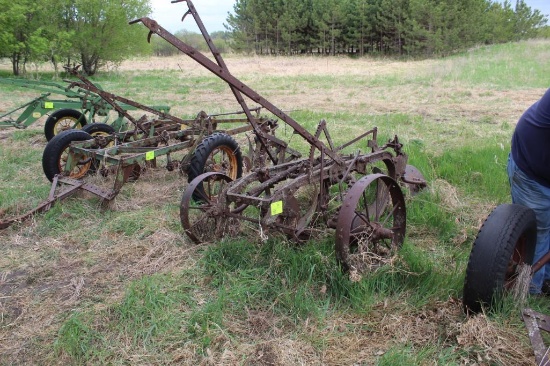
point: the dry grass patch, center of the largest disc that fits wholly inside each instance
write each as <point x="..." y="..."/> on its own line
<point x="493" y="343"/>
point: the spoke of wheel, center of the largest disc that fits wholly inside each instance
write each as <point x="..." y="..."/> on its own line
<point x="391" y="214"/>
<point x="209" y="194"/>
<point x="362" y="217"/>
<point x="366" y="202"/>
<point x="202" y="208"/>
<point x="200" y="220"/>
<point x="380" y="203"/>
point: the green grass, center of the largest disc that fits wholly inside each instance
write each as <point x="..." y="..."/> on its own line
<point x="151" y="297"/>
<point x="293" y="283"/>
<point x="505" y="66"/>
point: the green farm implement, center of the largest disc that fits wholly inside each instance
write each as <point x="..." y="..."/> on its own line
<point x="79" y="108"/>
<point x="98" y="148"/>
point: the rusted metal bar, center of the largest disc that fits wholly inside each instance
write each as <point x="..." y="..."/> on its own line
<point x="535" y="322"/>
<point x="71" y="187"/>
<point x="540" y="263"/>
<point x="111" y="98"/>
<point x="233" y="82"/>
<point x="217" y="55"/>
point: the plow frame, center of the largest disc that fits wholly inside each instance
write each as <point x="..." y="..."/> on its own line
<point x="213" y="204"/>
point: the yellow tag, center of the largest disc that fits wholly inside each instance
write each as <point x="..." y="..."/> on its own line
<point x="48" y="105"/>
<point x="276" y="208"/>
<point x="36" y="115"/>
<point x="149" y="155"/>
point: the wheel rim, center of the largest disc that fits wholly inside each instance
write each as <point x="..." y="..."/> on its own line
<point x="371" y="224"/>
<point x="222" y="160"/>
<point x="66" y="123"/>
<point x="80" y="169"/>
<point x="205" y="220"/>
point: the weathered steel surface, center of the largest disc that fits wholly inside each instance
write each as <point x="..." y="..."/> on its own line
<point x="236" y="85"/>
<point x="535" y="322"/>
<point x="380" y="222"/>
<point x="122" y="154"/>
<point x="69" y="187"/>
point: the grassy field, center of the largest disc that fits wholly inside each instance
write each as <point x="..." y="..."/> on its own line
<point x="83" y="284"/>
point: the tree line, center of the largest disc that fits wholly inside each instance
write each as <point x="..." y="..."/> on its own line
<point x="387" y="27"/>
<point x="221" y="40"/>
<point x="87" y="32"/>
<point x="95" y="32"/>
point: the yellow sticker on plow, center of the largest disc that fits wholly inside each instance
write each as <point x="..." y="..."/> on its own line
<point x="276" y="208"/>
<point x="149" y="155"/>
<point x="36" y="115"/>
<point x="48" y="105"/>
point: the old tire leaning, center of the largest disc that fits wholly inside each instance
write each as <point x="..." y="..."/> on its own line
<point x="218" y="152"/>
<point x="52" y="158"/>
<point x="63" y="120"/>
<point x="506" y="240"/>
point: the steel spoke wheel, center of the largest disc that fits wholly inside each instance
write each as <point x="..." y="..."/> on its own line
<point x="371" y="224"/>
<point x="203" y="212"/>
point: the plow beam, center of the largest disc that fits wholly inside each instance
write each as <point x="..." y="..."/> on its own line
<point x="237" y="85"/>
<point x="71" y="187"/>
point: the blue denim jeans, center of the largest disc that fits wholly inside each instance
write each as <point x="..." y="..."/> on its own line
<point x="527" y="192"/>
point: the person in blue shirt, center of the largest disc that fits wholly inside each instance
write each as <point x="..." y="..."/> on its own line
<point x="529" y="176"/>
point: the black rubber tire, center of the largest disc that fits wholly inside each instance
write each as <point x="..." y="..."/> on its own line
<point x="49" y="127"/>
<point x="509" y="230"/>
<point x="198" y="164"/>
<point x="54" y="150"/>
<point x="98" y="129"/>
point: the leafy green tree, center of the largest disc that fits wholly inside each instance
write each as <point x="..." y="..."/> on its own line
<point x="414" y="27"/>
<point x="544" y="32"/>
<point x="498" y="26"/>
<point x="101" y="30"/>
<point x="321" y="18"/>
<point x="240" y="24"/>
<point x="292" y="23"/>
<point x="527" y="21"/>
<point x="330" y="21"/>
<point x="16" y="28"/>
